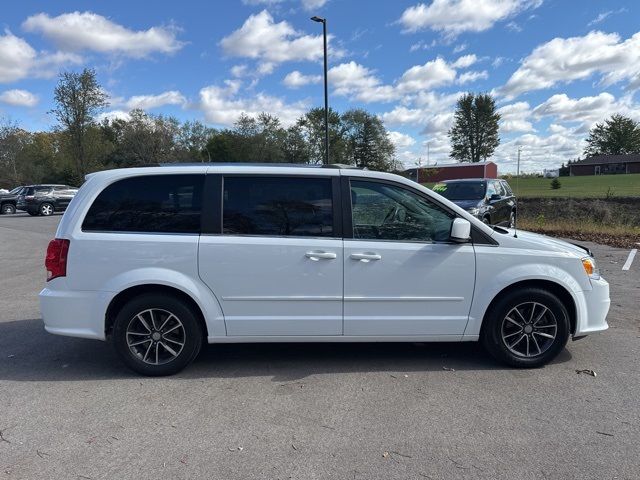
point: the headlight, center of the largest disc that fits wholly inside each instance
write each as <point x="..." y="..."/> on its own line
<point x="590" y="268"/>
<point x="474" y="211"/>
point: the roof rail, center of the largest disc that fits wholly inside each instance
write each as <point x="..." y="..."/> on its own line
<point x="241" y="164"/>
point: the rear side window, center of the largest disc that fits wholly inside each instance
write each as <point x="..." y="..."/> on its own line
<point x="283" y="206"/>
<point x="153" y="204"/>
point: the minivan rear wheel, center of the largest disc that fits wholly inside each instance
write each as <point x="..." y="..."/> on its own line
<point x="156" y="335"/>
<point x="526" y="328"/>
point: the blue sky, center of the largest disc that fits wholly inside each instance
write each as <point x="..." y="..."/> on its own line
<point x="555" y="66"/>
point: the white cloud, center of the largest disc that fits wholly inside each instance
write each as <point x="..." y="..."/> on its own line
<point x="239" y="70"/>
<point x="20" y="60"/>
<point x="434" y="73"/>
<point x="16" y="58"/>
<point x="515" y="118"/>
<point x="19" y="98"/>
<point x="563" y="60"/>
<point x="113" y="115"/>
<point x="223" y="105"/>
<point x="148" y="102"/>
<point x="465" y="61"/>
<point x="401" y="140"/>
<point x="310" y="5"/>
<point x="78" y="31"/>
<point x="604" y="15"/>
<point x="273" y="43"/>
<point x="453" y="17"/>
<point x="460" y="48"/>
<point x="472" y="76"/>
<point x="586" y="110"/>
<point x="296" y="79"/>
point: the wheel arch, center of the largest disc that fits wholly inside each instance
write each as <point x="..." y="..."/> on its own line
<point x="558" y="290"/>
<point x="126" y="295"/>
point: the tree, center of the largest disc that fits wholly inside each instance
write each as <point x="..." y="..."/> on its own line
<point x="367" y="142"/>
<point x="12" y="141"/>
<point x="312" y="127"/>
<point x="474" y="135"/>
<point x="619" y="135"/>
<point x="555" y="184"/>
<point x="78" y="98"/>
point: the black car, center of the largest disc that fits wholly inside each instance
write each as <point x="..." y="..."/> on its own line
<point x="491" y="200"/>
<point x="8" y="201"/>
<point x="45" y="199"/>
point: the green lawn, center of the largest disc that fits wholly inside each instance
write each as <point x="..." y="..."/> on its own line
<point x="578" y="187"/>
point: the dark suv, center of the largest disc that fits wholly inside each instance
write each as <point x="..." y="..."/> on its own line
<point x="45" y="199"/>
<point x="8" y="201"/>
<point x="491" y="200"/>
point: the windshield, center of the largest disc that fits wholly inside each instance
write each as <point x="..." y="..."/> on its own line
<point x="461" y="190"/>
<point x="15" y="191"/>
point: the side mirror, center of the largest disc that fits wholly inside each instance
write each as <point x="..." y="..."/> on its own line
<point x="494" y="197"/>
<point x="460" y="230"/>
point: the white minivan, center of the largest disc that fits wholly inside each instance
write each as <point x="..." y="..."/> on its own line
<point x="161" y="259"/>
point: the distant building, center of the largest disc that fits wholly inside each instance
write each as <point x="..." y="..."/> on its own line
<point x="437" y="173"/>
<point x="551" y="173"/>
<point x="605" y="165"/>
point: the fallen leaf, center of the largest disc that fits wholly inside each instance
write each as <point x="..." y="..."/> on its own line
<point x="587" y="371"/>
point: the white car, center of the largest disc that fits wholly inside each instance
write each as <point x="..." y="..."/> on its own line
<point x="161" y="259"/>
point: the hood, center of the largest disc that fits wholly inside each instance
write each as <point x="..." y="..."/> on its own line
<point x="537" y="241"/>
<point x="467" y="204"/>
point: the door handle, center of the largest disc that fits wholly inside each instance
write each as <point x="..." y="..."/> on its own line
<point x="315" y="256"/>
<point x="366" y="257"/>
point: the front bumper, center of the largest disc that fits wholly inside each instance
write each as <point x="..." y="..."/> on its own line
<point x="593" y="309"/>
<point x="74" y="313"/>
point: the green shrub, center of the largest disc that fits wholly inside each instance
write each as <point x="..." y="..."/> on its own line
<point x="555" y="184"/>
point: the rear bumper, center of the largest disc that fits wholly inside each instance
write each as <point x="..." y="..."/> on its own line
<point x="73" y="313"/>
<point x="594" y="309"/>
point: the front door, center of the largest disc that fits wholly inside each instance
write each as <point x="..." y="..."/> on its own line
<point x="402" y="276"/>
<point x="276" y="269"/>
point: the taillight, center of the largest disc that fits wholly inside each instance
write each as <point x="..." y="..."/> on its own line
<point x="56" y="259"/>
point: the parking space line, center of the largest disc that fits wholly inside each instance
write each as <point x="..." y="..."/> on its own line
<point x="630" y="258"/>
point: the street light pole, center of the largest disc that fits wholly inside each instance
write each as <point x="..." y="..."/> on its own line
<point x="326" y="89"/>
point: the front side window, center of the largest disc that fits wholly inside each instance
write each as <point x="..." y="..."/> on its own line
<point x="148" y="204"/>
<point x="382" y="211"/>
<point x="281" y="206"/>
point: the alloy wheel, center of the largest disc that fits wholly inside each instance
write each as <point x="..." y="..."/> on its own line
<point x="529" y="329"/>
<point x="155" y="336"/>
<point x="46" y="209"/>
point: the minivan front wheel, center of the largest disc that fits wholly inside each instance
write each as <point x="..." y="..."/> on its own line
<point x="156" y="335"/>
<point x="526" y="328"/>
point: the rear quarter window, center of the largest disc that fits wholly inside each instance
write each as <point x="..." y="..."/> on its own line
<point x="148" y="204"/>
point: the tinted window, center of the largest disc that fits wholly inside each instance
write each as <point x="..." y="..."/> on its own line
<point x="387" y="212"/>
<point x="491" y="189"/>
<point x="159" y="203"/>
<point x="291" y="206"/>
<point x="461" y="190"/>
<point x="499" y="189"/>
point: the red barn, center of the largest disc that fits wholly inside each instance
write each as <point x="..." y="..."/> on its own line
<point x="453" y="171"/>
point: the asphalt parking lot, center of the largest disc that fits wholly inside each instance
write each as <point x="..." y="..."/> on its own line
<point x="69" y="409"/>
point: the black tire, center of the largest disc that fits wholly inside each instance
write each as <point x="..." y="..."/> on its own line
<point x="8" y="209"/>
<point x="496" y="326"/>
<point x="46" y="209"/>
<point x="127" y="321"/>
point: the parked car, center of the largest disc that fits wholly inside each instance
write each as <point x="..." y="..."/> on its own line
<point x="45" y="199"/>
<point x="490" y="200"/>
<point x="160" y="259"/>
<point x="8" y="201"/>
